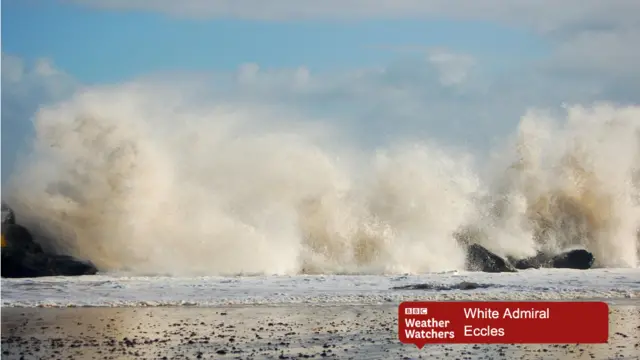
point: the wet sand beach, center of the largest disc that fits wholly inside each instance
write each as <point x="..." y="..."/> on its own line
<point x="264" y="332"/>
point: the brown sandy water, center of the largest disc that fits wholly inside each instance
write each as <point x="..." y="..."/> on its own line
<point x="264" y="332"/>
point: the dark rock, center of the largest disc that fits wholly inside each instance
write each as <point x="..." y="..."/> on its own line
<point x="21" y="265"/>
<point x="481" y="259"/>
<point x="535" y="262"/>
<point x="23" y="257"/>
<point x="439" y="287"/>
<point x="18" y="238"/>
<point x="523" y="264"/>
<point x="579" y="259"/>
<point x="573" y="259"/>
<point x="11" y="265"/>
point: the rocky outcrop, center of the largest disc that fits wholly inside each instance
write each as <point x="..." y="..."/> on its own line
<point x="23" y="257"/>
<point x="572" y="259"/>
<point x="480" y="258"/>
<point x="575" y="259"/>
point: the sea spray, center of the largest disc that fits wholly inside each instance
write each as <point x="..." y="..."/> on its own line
<point x="133" y="180"/>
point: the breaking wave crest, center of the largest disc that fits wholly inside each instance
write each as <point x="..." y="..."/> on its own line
<point x="136" y="181"/>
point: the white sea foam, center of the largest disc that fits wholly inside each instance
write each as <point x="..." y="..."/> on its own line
<point x="122" y="290"/>
<point x="136" y="179"/>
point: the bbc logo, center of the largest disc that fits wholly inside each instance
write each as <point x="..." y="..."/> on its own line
<point x="415" y="311"/>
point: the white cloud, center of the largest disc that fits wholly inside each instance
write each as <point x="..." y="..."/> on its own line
<point x="25" y="87"/>
<point x="20" y="79"/>
<point x="44" y="67"/>
<point x="453" y="68"/>
<point x="594" y="52"/>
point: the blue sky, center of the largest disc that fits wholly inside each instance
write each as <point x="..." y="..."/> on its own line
<point x="107" y="46"/>
<point x="452" y="70"/>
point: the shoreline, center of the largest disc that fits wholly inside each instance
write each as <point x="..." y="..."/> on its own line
<point x="629" y="301"/>
<point x="296" y="331"/>
<point x="121" y="291"/>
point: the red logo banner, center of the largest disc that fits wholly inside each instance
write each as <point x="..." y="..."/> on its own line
<point x="422" y="323"/>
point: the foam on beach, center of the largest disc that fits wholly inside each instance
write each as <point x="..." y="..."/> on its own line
<point x="126" y="291"/>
